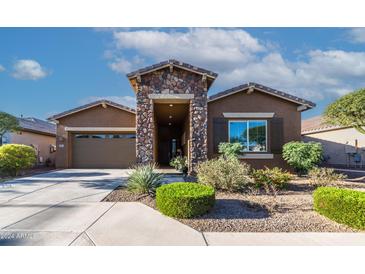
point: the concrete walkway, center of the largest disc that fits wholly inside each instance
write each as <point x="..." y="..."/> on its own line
<point x="64" y="208"/>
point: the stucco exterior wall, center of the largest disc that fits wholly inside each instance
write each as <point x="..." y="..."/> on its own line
<point x="93" y="117"/>
<point x="41" y="142"/>
<point x="337" y="142"/>
<point x="258" y="102"/>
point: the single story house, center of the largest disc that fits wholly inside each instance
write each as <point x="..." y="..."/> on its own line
<point x="39" y="134"/>
<point x="175" y="116"/>
<point x="343" y="146"/>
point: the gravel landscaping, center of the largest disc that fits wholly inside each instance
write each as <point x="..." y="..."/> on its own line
<point x="290" y="211"/>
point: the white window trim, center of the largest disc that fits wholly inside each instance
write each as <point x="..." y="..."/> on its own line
<point x="247" y="120"/>
<point x="248" y="115"/>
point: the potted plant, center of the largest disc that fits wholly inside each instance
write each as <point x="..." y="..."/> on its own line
<point x="180" y="163"/>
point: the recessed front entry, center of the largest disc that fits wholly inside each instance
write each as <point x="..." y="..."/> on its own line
<point x="103" y="150"/>
<point x="164" y="83"/>
<point x="171" y="131"/>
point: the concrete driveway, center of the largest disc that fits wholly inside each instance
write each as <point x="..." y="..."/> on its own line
<point x="65" y="202"/>
<point x="87" y="185"/>
<point x="63" y="208"/>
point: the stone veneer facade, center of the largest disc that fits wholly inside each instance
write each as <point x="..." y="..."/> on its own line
<point x="172" y="81"/>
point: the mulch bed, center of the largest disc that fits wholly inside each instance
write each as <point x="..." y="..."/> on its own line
<point x="291" y="211"/>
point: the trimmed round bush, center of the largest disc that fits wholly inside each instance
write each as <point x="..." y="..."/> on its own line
<point x="344" y="206"/>
<point x="185" y="200"/>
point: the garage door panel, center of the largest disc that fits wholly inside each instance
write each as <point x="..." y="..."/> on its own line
<point x="103" y="153"/>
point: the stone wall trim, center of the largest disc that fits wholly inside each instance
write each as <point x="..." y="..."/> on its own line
<point x="171" y="96"/>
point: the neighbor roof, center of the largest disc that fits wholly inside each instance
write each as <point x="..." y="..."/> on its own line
<point x="175" y="63"/>
<point x="37" y="125"/>
<point x="90" y="105"/>
<point x="317" y="124"/>
<point x="264" y="89"/>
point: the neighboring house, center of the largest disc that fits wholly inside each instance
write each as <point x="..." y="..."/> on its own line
<point x="343" y="146"/>
<point x="39" y="134"/>
<point x="175" y="116"/>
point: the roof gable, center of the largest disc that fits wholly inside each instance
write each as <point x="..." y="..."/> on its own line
<point x="264" y="89"/>
<point x="91" y="105"/>
<point x="172" y="63"/>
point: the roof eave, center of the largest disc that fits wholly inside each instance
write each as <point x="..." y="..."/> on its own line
<point x="91" y="105"/>
<point x="38" y="132"/>
<point x="308" y="105"/>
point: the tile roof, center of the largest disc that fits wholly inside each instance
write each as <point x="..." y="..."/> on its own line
<point x="265" y="89"/>
<point x="92" y="104"/>
<point x="37" y="125"/>
<point x="174" y="63"/>
<point x="317" y="124"/>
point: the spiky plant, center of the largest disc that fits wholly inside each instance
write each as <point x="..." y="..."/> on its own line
<point x="144" y="180"/>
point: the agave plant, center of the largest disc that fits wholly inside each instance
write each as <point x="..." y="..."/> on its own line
<point x="144" y="180"/>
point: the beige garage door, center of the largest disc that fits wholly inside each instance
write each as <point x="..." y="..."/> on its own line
<point x="103" y="150"/>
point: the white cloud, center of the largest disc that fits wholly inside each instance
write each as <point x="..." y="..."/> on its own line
<point x="121" y="65"/>
<point x="2" y="68"/>
<point x="28" y="70"/>
<point x="324" y="73"/>
<point x="129" y="101"/>
<point x="226" y="48"/>
<point x="357" y="35"/>
<point x="238" y="57"/>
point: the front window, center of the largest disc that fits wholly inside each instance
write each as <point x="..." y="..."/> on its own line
<point x="251" y="134"/>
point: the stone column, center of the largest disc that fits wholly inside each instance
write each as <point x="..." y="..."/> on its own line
<point x="198" y="131"/>
<point x="145" y="128"/>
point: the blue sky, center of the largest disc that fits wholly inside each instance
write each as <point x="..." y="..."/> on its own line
<point x="44" y="71"/>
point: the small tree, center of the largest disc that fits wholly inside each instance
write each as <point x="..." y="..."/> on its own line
<point x="7" y="123"/>
<point x="230" y="149"/>
<point x="14" y="158"/>
<point x="302" y="156"/>
<point x="348" y="111"/>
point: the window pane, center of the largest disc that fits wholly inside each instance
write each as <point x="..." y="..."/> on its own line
<point x="124" y="136"/>
<point x="257" y="135"/>
<point x="98" y="136"/>
<point x="238" y="133"/>
<point x="81" y="136"/>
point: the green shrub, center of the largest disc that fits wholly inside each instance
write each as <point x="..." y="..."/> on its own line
<point x="302" y="156"/>
<point x="144" y="180"/>
<point x="230" y="149"/>
<point x="227" y="174"/>
<point x="275" y="177"/>
<point x="322" y="176"/>
<point x="14" y="158"/>
<point x="185" y="200"/>
<point x="344" y="206"/>
<point x="180" y="163"/>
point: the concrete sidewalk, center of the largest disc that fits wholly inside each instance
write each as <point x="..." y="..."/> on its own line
<point x="285" y="239"/>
